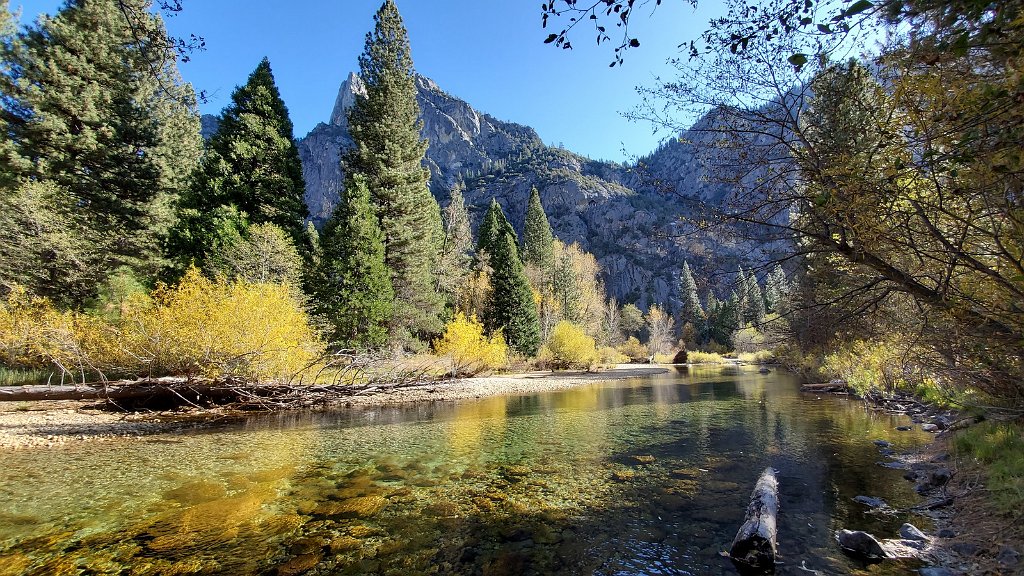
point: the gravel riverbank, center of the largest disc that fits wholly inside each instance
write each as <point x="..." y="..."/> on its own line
<point x="54" y="423"/>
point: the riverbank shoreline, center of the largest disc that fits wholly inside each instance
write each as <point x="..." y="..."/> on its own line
<point x="52" y="423"/>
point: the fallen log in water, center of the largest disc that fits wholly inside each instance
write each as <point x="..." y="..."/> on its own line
<point x="825" y="387"/>
<point x="754" y="547"/>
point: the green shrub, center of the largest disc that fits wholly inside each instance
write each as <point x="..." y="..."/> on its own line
<point x="873" y="365"/>
<point x="1000" y="448"/>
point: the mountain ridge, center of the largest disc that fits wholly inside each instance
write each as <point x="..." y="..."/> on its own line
<point x="626" y="215"/>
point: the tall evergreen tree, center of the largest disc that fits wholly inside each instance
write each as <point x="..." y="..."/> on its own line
<point x="351" y="285"/>
<point x="510" y="307"/>
<point x="251" y="167"/>
<point x="775" y="289"/>
<point x="455" y="261"/>
<point x="692" y="312"/>
<point x="388" y="151"/>
<point x="754" y="311"/>
<point x="537" y="235"/>
<point x="492" y="228"/>
<point x="93" y="103"/>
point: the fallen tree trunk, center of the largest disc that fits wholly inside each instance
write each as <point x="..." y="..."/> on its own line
<point x="172" y="392"/>
<point x="825" y="387"/>
<point x="132" y="391"/>
<point x="754" y="547"/>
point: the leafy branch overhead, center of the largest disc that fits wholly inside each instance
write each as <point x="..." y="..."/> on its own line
<point x="744" y="25"/>
<point x="602" y="14"/>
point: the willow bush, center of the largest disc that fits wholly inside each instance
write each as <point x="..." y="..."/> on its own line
<point x="469" y="349"/>
<point x="198" y="327"/>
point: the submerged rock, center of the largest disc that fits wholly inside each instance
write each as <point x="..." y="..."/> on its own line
<point x="935" y="571"/>
<point x="359" y="507"/>
<point x="871" y="502"/>
<point x="644" y="459"/>
<point x="299" y="564"/>
<point x="623" y="475"/>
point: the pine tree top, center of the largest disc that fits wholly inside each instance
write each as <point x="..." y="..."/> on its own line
<point x="537" y="235"/>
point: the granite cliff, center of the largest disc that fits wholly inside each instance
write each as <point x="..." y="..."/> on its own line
<point x="626" y="215"/>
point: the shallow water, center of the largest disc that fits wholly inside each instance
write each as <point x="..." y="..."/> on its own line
<point x="641" y="476"/>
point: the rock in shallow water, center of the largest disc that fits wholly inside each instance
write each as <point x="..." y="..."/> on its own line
<point x="871" y="502"/>
<point x="859" y="543"/>
<point x="935" y="571"/>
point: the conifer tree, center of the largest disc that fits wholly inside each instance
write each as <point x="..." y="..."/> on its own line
<point x="492" y="228"/>
<point x="387" y="150"/>
<point x="713" y="312"/>
<point x="93" y="104"/>
<point x="537" y="236"/>
<point x="251" y="167"/>
<point x="774" y="289"/>
<point x="754" y="312"/>
<point x="351" y="286"/>
<point x="455" y="261"/>
<point x="510" y="306"/>
<point x="692" y="312"/>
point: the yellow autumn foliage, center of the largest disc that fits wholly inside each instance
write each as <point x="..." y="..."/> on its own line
<point x="215" y="327"/>
<point x="199" y="327"/>
<point x="571" y="347"/>
<point x="470" y="350"/>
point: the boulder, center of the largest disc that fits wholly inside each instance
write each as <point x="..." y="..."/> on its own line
<point x="911" y="532"/>
<point x="859" y="544"/>
<point x="1008" y="557"/>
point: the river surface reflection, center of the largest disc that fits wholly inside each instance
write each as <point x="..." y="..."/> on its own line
<point x="642" y="476"/>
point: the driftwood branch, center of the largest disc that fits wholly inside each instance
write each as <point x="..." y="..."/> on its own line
<point x="754" y="548"/>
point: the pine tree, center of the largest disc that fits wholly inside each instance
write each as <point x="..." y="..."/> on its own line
<point x="455" y="261"/>
<point x="754" y="312"/>
<point x="537" y="236"/>
<point x="251" y="165"/>
<point x="92" y="103"/>
<point x="387" y="150"/>
<point x="510" y="306"/>
<point x="692" y="313"/>
<point x="775" y="289"/>
<point x="351" y="286"/>
<point x="492" y="229"/>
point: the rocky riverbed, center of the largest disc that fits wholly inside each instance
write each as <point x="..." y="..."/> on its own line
<point x="967" y="536"/>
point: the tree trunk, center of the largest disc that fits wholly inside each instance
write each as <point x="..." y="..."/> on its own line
<point x="753" y="549"/>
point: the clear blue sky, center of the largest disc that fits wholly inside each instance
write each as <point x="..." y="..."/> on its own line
<point x="489" y="54"/>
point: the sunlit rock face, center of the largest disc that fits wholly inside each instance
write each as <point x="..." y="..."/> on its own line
<point x="626" y="215"/>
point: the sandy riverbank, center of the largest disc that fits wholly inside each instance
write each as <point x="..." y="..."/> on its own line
<point x="54" y="423"/>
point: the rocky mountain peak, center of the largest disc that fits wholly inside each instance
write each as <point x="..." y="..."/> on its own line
<point x="350" y="88"/>
<point x="626" y="215"/>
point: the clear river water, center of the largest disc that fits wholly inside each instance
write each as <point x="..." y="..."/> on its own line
<point x="642" y="476"/>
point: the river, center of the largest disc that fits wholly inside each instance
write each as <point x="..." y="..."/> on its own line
<point x="641" y="476"/>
